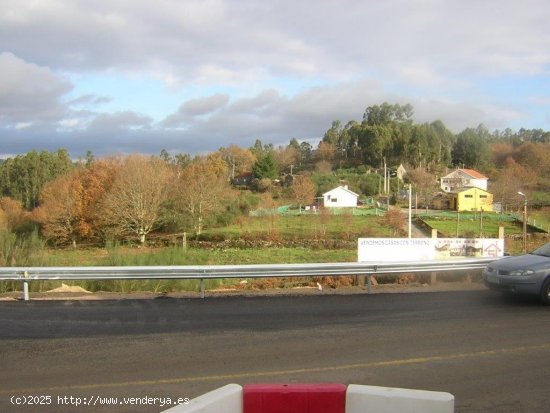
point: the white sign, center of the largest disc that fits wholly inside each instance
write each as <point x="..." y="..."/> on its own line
<point x="420" y="249"/>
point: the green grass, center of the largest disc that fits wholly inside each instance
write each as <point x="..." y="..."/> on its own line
<point x="124" y="256"/>
<point x="540" y="218"/>
<point x="470" y="226"/>
<point x="319" y="226"/>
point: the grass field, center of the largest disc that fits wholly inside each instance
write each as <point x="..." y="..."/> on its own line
<point x="307" y="226"/>
<point x="470" y="226"/>
<point x="277" y="230"/>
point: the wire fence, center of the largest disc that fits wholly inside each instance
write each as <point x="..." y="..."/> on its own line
<point x="293" y="211"/>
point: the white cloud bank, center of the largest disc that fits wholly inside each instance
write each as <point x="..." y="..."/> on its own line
<point x="269" y="70"/>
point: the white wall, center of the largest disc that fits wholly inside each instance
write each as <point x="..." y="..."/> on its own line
<point x="339" y="198"/>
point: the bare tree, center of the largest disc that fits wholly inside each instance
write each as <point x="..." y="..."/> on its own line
<point x="287" y="157"/>
<point x="512" y="178"/>
<point x="134" y="201"/>
<point x="303" y="190"/>
<point x="424" y="183"/>
<point x="201" y="188"/>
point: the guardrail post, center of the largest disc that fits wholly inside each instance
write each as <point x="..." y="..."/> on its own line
<point x="433" y="275"/>
<point x="202" y="287"/>
<point x="26" y="296"/>
<point x="369" y="281"/>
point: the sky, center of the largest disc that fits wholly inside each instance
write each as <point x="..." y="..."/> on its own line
<point x="126" y="76"/>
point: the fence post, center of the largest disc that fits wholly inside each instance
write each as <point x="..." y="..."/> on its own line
<point x="500" y="232"/>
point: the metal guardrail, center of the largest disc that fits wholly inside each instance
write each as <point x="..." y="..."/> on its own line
<point x="202" y="272"/>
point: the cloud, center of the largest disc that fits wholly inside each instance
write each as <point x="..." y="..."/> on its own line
<point x="107" y="123"/>
<point x="196" y="40"/>
<point x="264" y="72"/>
<point x="89" y="99"/>
<point x="29" y="93"/>
<point x="196" y="108"/>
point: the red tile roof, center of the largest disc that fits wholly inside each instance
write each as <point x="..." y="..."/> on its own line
<point x="474" y="174"/>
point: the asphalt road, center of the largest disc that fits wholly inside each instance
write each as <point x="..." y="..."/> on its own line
<point x="491" y="352"/>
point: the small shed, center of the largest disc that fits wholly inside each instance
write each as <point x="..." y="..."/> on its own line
<point x="340" y="197"/>
<point x="472" y="199"/>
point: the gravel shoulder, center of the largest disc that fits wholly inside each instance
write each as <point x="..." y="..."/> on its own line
<point x="77" y="293"/>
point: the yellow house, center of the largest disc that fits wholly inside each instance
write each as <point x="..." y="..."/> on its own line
<point x="472" y="199"/>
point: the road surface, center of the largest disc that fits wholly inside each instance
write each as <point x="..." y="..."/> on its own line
<point x="491" y="352"/>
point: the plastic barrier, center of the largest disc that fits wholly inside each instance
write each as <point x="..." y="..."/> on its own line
<point x="392" y="400"/>
<point x="226" y="399"/>
<point x="295" y="398"/>
<point x="317" y="398"/>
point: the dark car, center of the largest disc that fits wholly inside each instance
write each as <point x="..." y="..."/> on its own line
<point x="523" y="274"/>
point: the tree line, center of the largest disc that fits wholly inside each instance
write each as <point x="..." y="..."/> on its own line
<point x="117" y="197"/>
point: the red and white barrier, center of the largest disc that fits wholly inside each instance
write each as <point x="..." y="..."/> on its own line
<point x="317" y="398"/>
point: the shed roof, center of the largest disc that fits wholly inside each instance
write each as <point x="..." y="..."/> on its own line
<point x="343" y="188"/>
<point x="467" y="189"/>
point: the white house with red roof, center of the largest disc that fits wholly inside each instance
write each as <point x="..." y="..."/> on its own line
<point x="462" y="179"/>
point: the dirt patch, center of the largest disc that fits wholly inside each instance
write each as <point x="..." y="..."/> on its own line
<point x="68" y="289"/>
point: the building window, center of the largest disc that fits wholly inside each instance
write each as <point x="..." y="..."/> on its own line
<point x="483" y="196"/>
<point x="334" y="200"/>
<point x="468" y="196"/>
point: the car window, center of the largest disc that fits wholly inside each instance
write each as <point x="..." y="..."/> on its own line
<point x="543" y="251"/>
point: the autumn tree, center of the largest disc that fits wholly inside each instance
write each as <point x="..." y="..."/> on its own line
<point x="533" y="156"/>
<point x="287" y="157"/>
<point x="97" y="179"/>
<point x="133" y="203"/>
<point x="238" y="160"/>
<point x="396" y="220"/>
<point x="326" y="151"/>
<point x="60" y="209"/>
<point x="512" y="178"/>
<point x="13" y="213"/>
<point x="303" y="190"/>
<point x="199" y="191"/>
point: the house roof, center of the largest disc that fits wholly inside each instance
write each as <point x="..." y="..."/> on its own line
<point x="474" y="174"/>
<point x="470" y="172"/>
<point x="343" y="188"/>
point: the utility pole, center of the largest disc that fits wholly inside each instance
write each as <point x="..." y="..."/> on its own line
<point x="524" y="221"/>
<point x="410" y="211"/>
<point x="385" y="182"/>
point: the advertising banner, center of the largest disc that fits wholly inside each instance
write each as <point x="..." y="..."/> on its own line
<point x="419" y="249"/>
